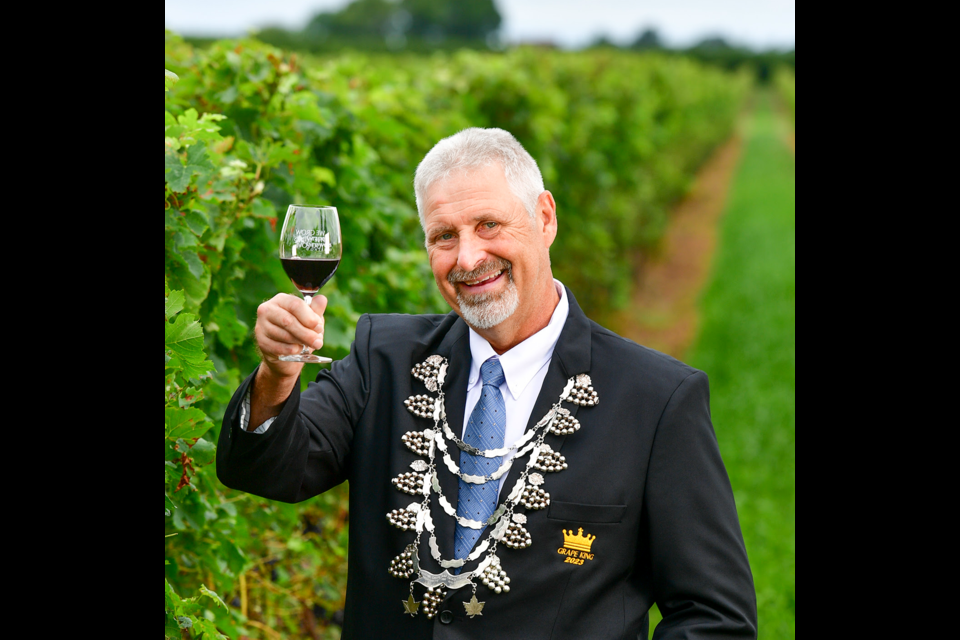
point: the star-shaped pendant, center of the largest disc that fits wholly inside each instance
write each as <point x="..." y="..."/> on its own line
<point x="473" y="607"/>
<point x="410" y="605"/>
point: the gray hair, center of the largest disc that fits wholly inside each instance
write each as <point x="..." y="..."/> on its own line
<point x="476" y="148"/>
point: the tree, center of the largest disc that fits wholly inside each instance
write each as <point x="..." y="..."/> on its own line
<point x="465" y="19"/>
<point x="649" y="39"/>
<point x="713" y="43"/>
<point x="359" y="18"/>
<point x="431" y="21"/>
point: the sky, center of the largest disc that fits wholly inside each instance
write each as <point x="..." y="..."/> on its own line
<point x="759" y="24"/>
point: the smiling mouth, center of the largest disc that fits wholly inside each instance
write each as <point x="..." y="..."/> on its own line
<point x="487" y="278"/>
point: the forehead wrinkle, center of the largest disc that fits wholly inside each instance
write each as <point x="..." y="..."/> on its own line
<point x="475" y="218"/>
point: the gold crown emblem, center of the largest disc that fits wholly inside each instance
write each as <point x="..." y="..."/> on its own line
<point x="579" y="542"/>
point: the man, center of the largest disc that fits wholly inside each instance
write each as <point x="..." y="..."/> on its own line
<point x="536" y="476"/>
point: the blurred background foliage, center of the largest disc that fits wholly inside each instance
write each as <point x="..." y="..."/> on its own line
<point x="251" y="128"/>
<point x="786" y="81"/>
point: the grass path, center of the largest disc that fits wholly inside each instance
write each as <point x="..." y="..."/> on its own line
<point x="662" y="313"/>
<point x="747" y="345"/>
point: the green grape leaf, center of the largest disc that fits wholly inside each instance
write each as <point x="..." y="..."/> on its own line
<point x="184" y="336"/>
<point x="196" y="371"/>
<point x="188" y="129"/>
<point x="188" y="119"/>
<point x="173" y="304"/>
<point x="231" y="331"/>
<point x="178" y="172"/>
<point x="180" y="276"/>
<point x="183" y="515"/>
<point x="184" y="340"/>
<point x="196" y="222"/>
<point x="171" y="220"/>
<point x="171" y="599"/>
<point x="170" y="628"/>
<point x="203" y="451"/>
<point x="209" y="629"/>
<point x="182" y="240"/>
<point x="197" y="158"/>
<point x="277" y="153"/>
<point x="213" y="596"/>
<point x="189" y="396"/>
<point x="185" y="423"/>
<point x="175" y="171"/>
<point x="194" y="263"/>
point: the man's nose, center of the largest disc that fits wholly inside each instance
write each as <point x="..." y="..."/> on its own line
<point x="472" y="253"/>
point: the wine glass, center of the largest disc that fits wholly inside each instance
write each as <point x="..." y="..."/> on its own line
<point x="310" y="250"/>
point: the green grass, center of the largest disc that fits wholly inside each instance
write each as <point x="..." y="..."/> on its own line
<point x="747" y="345"/>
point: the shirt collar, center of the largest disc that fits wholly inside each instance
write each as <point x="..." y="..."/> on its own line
<point x="522" y="362"/>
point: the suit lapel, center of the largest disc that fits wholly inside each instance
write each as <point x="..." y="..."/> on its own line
<point x="571" y="356"/>
<point x="456" y="348"/>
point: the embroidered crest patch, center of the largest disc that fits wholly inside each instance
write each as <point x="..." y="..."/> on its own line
<point x="576" y="549"/>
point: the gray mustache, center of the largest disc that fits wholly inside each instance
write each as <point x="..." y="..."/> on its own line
<point x="485" y="268"/>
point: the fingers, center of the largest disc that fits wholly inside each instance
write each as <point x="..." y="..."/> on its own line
<point x="319" y="305"/>
<point x="285" y="322"/>
<point x="299" y="309"/>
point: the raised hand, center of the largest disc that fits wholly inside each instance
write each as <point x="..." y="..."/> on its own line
<point x="284" y="324"/>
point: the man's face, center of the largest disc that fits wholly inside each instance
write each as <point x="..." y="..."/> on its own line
<point x="489" y="258"/>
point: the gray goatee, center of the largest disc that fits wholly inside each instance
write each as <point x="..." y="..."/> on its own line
<point x="486" y="310"/>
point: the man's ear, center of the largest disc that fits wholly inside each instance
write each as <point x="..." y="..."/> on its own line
<point x="547" y="218"/>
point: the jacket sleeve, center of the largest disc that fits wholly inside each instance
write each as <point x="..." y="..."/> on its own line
<point x="701" y="577"/>
<point x="306" y="450"/>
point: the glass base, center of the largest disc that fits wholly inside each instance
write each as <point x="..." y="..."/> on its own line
<point x="309" y="357"/>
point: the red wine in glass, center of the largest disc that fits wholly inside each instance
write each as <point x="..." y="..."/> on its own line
<point x="310" y="251"/>
<point x="308" y="275"/>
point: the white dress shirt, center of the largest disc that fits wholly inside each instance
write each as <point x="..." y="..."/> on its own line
<point x="524" y="368"/>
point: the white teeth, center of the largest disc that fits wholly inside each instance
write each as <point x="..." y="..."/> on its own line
<point x="490" y="277"/>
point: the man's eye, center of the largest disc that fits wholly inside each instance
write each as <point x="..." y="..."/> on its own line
<point x="445" y="236"/>
<point x="489" y="225"/>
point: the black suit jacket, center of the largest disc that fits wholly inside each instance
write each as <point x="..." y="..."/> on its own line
<point x="644" y="477"/>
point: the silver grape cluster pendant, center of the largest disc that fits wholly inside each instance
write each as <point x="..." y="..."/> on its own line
<point x="505" y="525"/>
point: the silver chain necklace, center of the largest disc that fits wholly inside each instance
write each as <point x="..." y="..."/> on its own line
<point x="504" y="524"/>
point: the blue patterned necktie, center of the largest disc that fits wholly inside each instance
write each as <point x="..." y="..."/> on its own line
<point x="485" y="430"/>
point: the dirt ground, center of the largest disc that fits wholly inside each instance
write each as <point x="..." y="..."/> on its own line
<point x="663" y="310"/>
